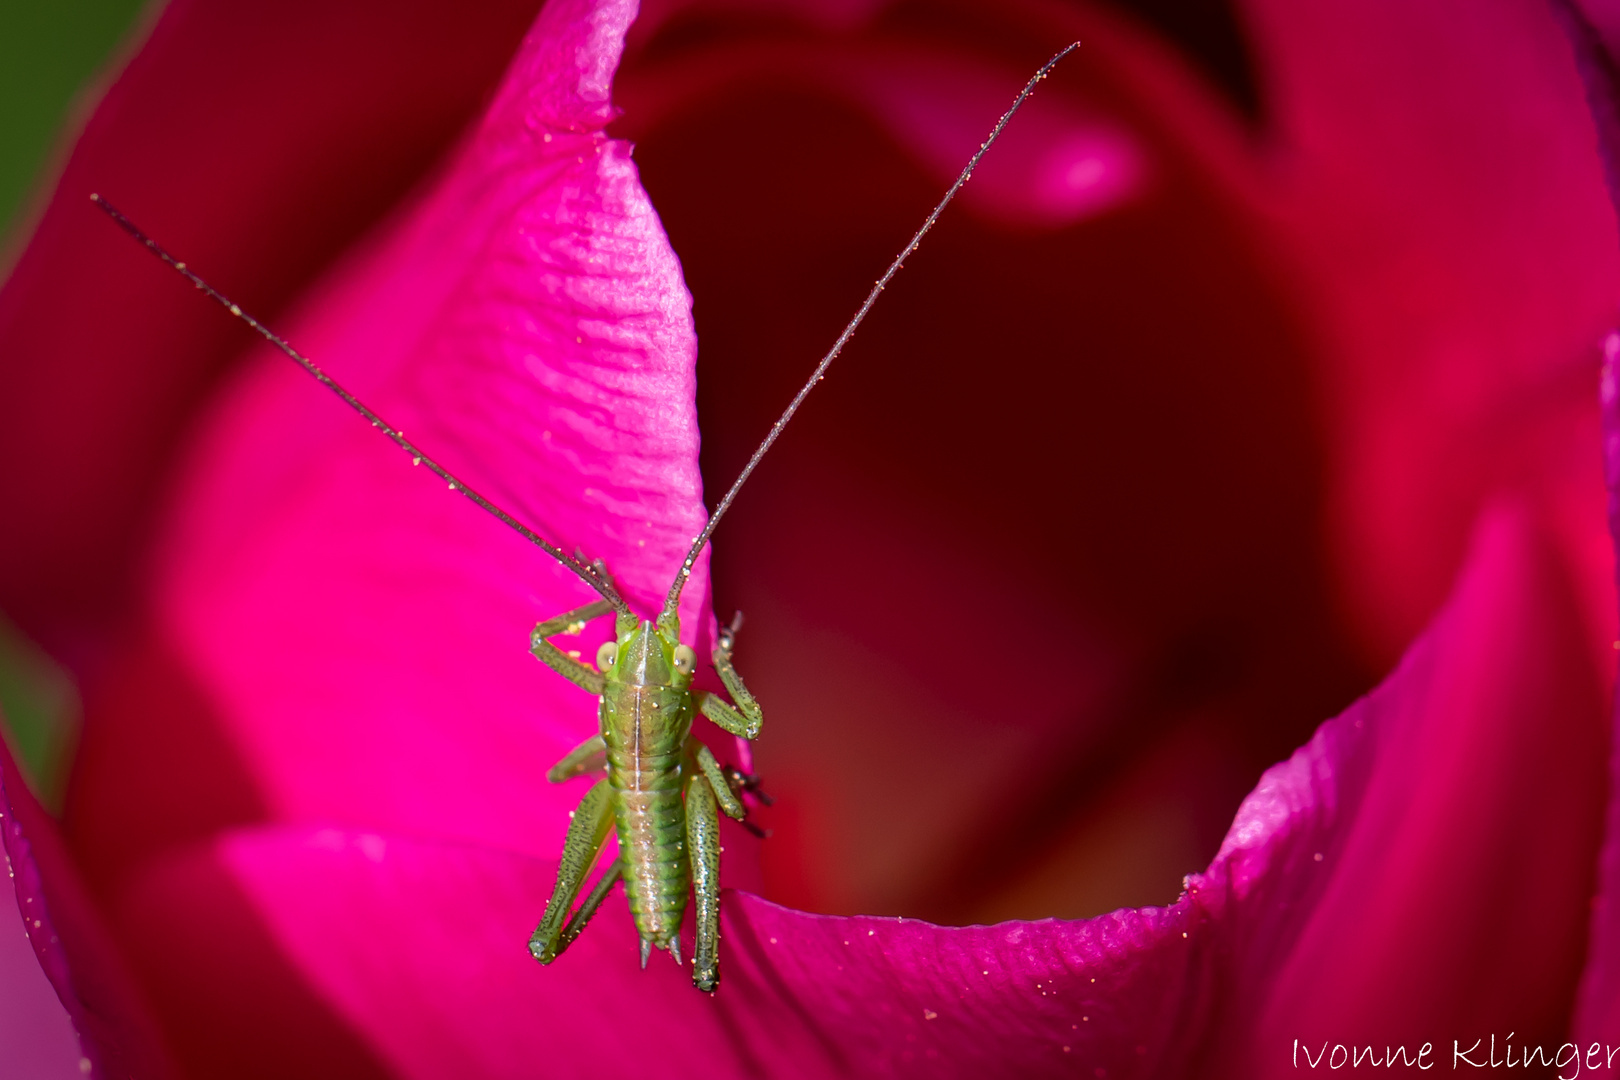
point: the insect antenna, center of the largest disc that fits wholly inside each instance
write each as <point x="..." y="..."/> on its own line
<point x="673" y="600"/>
<point x="593" y="574"/>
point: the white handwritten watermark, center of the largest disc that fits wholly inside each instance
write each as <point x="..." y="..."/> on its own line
<point x="1483" y="1053"/>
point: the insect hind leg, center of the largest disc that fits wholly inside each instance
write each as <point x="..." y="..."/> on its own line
<point x="587" y="833"/>
<point x="588" y="757"/>
<point x="576" y="923"/>
<point x="703" y="845"/>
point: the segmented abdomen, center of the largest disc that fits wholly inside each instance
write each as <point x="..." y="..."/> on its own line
<point x="651" y="820"/>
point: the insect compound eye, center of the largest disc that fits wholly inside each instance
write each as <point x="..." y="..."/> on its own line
<point x="685" y="660"/>
<point x="605" y="656"/>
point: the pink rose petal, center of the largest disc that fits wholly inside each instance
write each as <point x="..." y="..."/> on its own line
<point x="1360" y="877"/>
<point x="1440" y="188"/>
<point x="258" y="137"/>
<point x="352" y="640"/>
<point x="116" y="1034"/>
<point x="1376" y="885"/>
<point x="36" y="1036"/>
<point x="36" y="1033"/>
<point x="1059" y="164"/>
<point x="1095" y="434"/>
<point x="1593" y="27"/>
<point x="1459" y="904"/>
<point x="421" y="948"/>
<point x="360" y="634"/>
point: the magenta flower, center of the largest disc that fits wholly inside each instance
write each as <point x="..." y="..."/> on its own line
<point x="1039" y="571"/>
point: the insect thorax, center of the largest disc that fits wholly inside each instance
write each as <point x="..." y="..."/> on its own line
<point x="647" y="707"/>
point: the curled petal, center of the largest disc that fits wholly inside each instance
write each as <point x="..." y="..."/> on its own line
<point x="341" y="634"/>
<point x="80" y="957"/>
<point x="1357" y="881"/>
<point x="1599" y="1013"/>
<point x="1332" y="911"/>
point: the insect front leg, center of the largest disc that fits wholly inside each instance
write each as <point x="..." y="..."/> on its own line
<point x="588" y="757"/>
<point x="745" y="718"/>
<point x="587" y="832"/>
<point x="581" y="674"/>
<point x="703" y="850"/>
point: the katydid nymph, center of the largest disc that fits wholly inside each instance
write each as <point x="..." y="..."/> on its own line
<point x="658" y="787"/>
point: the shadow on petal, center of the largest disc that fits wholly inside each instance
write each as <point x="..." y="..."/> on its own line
<point x="1421" y="869"/>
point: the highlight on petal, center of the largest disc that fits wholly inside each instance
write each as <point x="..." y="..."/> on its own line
<point x="1058" y="165"/>
<point x="337" y="639"/>
<point x="359" y="635"/>
<point x="1054" y="167"/>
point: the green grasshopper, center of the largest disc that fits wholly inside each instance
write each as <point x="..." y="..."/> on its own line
<point x="659" y="787"/>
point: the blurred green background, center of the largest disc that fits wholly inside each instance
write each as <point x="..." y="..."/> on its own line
<point x="48" y="50"/>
